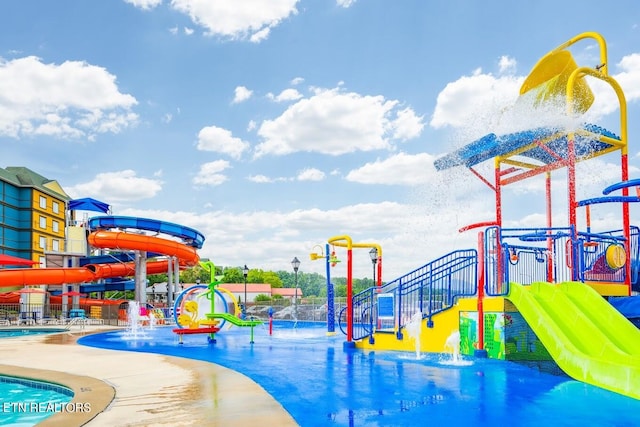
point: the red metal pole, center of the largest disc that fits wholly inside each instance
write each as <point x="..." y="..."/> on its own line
<point x="550" y="260"/>
<point x="498" y="247"/>
<point x="571" y="178"/>
<point x="626" y="223"/>
<point x="498" y="190"/>
<point x="480" y="351"/>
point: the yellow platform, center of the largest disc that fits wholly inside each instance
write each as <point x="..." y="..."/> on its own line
<point x="433" y="340"/>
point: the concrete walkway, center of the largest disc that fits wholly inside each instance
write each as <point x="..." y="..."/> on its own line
<point x="139" y="389"/>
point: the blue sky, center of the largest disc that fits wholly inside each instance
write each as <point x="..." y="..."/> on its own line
<point x="271" y="126"/>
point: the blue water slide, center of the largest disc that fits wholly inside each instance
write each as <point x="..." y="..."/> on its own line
<point x="621" y="185"/>
<point x="190" y="236"/>
<point x="609" y="199"/>
<point x="107" y="259"/>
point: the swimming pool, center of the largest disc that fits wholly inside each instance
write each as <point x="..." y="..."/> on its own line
<point x="20" y="332"/>
<point x="321" y="384"/>
<point x="24" y="402"/>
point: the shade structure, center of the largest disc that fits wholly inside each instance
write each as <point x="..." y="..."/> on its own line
<point x="14" y="260"/>
<point x="88" y="204"/>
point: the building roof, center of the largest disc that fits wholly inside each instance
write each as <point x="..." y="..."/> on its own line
<point x="24" y="177"/>
<point x="286" y="292"/>
<point x="254" y="288"/>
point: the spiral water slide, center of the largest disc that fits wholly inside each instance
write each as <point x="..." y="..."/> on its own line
<point x="117" y="233"/>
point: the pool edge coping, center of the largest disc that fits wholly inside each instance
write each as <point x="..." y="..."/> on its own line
<point x="86" y="390"/>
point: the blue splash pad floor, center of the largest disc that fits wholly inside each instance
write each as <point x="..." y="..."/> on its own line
<point x="321" y="384"/>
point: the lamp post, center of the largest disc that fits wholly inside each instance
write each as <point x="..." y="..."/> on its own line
<point x="373" y="253"/>
<point x="295" y="263"/>
<point x="245" y="271"/>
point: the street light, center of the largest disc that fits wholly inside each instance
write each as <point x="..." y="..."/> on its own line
<point x="295" y="263"/>
<point x="245" y="271"/>
<point x="373" y="253"/>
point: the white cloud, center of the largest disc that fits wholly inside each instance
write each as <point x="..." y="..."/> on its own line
<point x="219" y="140"/>
<point x="478" y="99"/>
<point x="606" y="100"/>
<point x="270" y="238"/>
<point x="335" y="123"/>
<point x="260" y="179"/>
<point x="400" y="169"/>
<point x="209" y="173"/>
<point x="237" y="20"/>
<point x="144" y="4"/>
<point x="261" y="35"/>
<point x="407" y="125"/>
<point x="70" y="100"/>
<point x="241" y="94"/>
<point x="310" y="174"/>
<point x="296" y="81"/>
<point x="117" y="187"/>
<point x="345" y="3"/>
<point x="507" y="65"/>
<point x="493" y="104"/>
<point x="285" y="95"/>
<point x="263" y="179"/>
<point x="188" y="31"/>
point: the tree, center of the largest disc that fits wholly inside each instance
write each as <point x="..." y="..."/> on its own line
<point x="232" y="275"/>
<point x="272" y="278"/>
<point x="156" y="278"/>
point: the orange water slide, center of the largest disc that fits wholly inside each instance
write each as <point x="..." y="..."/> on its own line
<point x="131" y="241"/>
<point x="106" y="240"/>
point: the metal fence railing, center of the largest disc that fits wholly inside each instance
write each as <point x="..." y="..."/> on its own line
<point x="427" y="290"/>
<point x="32" y="313"/>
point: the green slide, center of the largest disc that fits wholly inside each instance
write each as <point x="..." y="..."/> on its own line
<point x="588" y="338"/>
<point x="233" y="319"/>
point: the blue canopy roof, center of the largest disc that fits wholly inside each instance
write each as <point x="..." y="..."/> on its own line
<point x="88" y="204"/>
<point x="492" y="145"/>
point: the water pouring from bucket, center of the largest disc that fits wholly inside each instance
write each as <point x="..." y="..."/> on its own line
<point x="548" y="80"/>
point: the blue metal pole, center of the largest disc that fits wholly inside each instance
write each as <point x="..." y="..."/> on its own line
<point x="331" y="326"/>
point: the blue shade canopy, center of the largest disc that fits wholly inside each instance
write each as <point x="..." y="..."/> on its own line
<point x="492" y="145"/>
<point x="88" y="204"/>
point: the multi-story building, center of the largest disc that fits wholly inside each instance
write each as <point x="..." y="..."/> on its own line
<point x="33" y="212"/>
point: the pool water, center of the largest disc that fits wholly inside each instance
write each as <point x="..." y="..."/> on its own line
<point x="8" y="333"/>
<point x="320" y="383"/>
<point x="25" y="402"/>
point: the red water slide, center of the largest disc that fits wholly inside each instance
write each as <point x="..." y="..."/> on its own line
<point x="186" y="255"/>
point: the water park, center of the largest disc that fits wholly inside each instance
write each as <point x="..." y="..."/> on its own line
<point x="532" y="324"/>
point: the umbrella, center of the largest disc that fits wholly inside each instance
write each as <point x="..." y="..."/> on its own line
<point x="72" y="294"/>
<point x="14" y="260"/>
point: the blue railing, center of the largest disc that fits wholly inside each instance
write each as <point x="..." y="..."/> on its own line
<point x="429" y="290"/>
<point x="593" y="249"/>
<point x="525" y="255"/>
<point x="554" y="254"/>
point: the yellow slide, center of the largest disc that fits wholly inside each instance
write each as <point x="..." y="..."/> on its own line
<point x="588" y="338"/>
